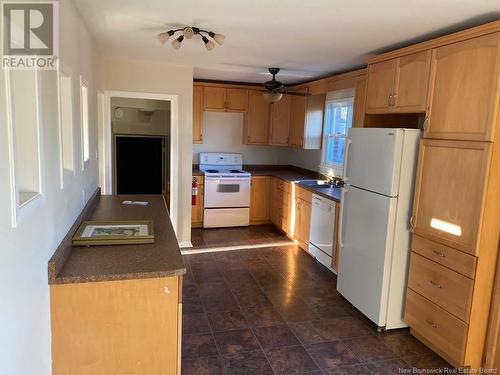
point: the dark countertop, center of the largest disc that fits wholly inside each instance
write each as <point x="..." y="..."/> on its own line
<point x="289" y="174"/>
<point x="76" y="264"/>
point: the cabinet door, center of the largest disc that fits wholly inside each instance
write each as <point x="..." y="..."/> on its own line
<point x="314" y="121"/>
<point x="259" y="199"/>
<point x="304" y="223"/>
<point x="412" y="81"/>
<point x="359" y="104"/>
<point x="197" y="209"/>
<point x="280" y="121"/>
<point x="197" y="114"/>
<point x="449" y="192"/>
<point x="214" y="99"/>
<point x="256" y="124"/>
<point x="463" y="91"/>
<point x="236" y="100"/>
<point x="380" y="86"/>
<point x="297" y="120"/>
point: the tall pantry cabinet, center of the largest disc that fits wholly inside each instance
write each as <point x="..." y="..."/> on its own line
<point x="456" y="209"/>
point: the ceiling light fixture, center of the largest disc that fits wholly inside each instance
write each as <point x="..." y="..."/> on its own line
<point x="208" y="37"/>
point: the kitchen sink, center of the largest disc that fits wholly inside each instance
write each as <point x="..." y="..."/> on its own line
<point x="316" y="184"/>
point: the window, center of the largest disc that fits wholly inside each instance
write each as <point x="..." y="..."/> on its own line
<point x="84" y="108"/>
<point x="338" y="119"/>
<point x="66" y="120"/>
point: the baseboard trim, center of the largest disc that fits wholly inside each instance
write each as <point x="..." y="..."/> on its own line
<point x="238" y="247"/>
<point x="184" y="244"/>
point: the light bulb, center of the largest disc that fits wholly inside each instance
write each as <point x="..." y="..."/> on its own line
<point x="272" y="97"/>
<point x="164" y="37"/>
<point x="177" y="42"/>
<point x="219" y="38"/>
<point x="188" y="33"/>
<point x="208" y="43"/>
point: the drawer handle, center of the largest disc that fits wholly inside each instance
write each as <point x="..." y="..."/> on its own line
<point x="439" y="254"/>
<point x="435" y="284"/>
<point x="432" y="324"/>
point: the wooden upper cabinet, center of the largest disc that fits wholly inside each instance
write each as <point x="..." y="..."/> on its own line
<point x="225" y="99"/>
<point x="463" y="90"/>
<point x="306" y="121"/>
<point x="412" y="81"/>
<point x="359" y="104"/>
<point x="214" y="99"/>
<point x="297" y="120"/>
<point x="259" y="199"/>
<point x="256" y="120"/>
<point x="197" y="114"/>
<point x="450" y="192"/>
<point x="399" y="85"/>
<point x="236" y="100"/>
<point x="280" y="121"/>
<point x="380" y="86"/>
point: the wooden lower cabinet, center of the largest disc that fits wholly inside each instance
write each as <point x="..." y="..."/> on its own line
<point x="441" y="331"/>
<point x="492" y="355"/>
<point x="302" y="222"/>
<point x="259" y="200"/>
<point x="116" y="327"/>
<point x="197" y="209"/>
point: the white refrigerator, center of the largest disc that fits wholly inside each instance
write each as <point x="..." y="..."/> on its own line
<point x="379" y="172"/>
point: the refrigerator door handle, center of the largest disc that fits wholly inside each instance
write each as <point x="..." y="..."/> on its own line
<point x="346" y="152"/>
<point x="341" y="211"/>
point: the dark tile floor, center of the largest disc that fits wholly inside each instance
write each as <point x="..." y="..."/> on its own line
<point x="239" y="236"/>
<point x="277" y="311"/>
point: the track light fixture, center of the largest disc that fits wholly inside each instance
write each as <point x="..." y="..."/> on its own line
<point x="208" y="37"/>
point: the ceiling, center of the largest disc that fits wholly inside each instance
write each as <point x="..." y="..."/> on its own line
<point x="308" y="39"/>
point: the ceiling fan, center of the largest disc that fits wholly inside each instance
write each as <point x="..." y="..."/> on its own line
<point x="275" y="89"/>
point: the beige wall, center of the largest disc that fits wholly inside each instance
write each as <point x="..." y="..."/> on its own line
<point x="158" y="78"/>
<point x="41" y="225"/>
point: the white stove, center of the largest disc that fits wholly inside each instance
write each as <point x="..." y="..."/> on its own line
<point x="227" y="190"/>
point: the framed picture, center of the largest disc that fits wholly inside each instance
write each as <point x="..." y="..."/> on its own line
<point x="91" y="233"/>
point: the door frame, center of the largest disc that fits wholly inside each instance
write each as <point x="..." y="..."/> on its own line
<point x="106" y="145"/>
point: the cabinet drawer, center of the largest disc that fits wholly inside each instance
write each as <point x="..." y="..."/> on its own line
<point x="447" y="256"/>
<point x="303" y="194"/>
<point x="446" y="288"/>
<point x="445" y="332"/>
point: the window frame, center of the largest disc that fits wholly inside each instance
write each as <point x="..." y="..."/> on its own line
<point x="335" y="169"/>
<point x="66" y="125"/>
<point x="84" y="122"/>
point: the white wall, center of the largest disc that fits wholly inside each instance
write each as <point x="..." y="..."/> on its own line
<point x="159" y="78"/>
<point x="223" y="132"/>
<point x="26" y="249"/>
<point x="308" y="159"/>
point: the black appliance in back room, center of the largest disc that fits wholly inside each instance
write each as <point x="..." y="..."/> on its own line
<point x="141" y="146"/>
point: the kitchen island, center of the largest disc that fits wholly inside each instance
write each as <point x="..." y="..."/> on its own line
<point x="118" y="308"/>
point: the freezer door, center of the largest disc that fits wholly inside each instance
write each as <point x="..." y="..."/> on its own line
<point x="373" y="159"/>
<point x="366" y="240"/>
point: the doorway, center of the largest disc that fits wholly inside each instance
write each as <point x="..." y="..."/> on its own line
<point x="141" y="146"/>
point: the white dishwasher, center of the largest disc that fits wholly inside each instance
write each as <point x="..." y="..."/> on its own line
<point x="322" y="233"/>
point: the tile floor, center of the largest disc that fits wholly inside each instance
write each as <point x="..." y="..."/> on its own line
<point x="276" y="311"/>
<point x="254" y="235"/>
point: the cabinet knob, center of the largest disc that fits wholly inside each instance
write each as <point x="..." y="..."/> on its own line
<point x="439" y="254"/>
<point x="431" y="323"/>
<point x="435" y="284"/>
